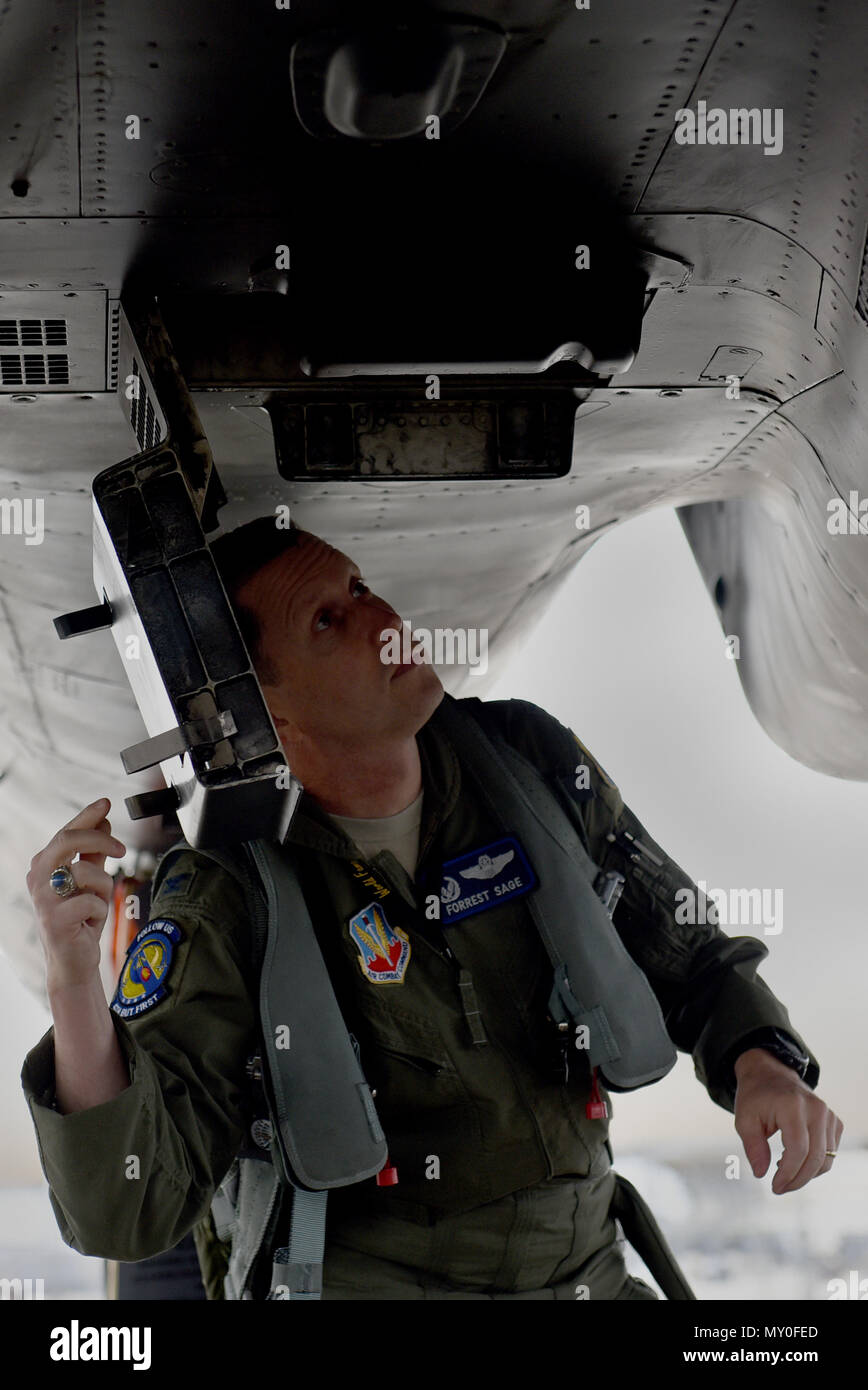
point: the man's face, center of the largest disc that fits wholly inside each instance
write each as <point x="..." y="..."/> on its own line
<point x="321" y="628"/>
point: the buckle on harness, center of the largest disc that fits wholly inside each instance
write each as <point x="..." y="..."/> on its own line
<point x="294" y="1280"/>
<point x="563" y="1004"/>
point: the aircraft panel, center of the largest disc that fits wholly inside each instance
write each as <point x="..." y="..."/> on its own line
<point x="813" y="188"/>
<point x="39" y="169"/>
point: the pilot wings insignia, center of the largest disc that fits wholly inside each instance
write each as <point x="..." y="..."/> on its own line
<point x="486" y="867"/>
<point x="499" y="872"/>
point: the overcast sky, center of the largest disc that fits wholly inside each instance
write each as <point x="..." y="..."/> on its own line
<point x="632" y="658"/>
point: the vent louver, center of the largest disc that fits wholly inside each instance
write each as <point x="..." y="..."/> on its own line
<point x="53" y="340"/>
<point x="112" y="345"/>
<point x="28" y="333"/>
<point x="143" y="417"/>
<point x="34" y="369"/>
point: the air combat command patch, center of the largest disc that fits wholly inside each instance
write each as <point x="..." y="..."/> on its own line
<point x="384" y="951"/>
<point x="484" y="878"/>
<point x="142" y="981"/>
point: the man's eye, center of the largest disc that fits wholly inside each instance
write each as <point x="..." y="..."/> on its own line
<point x="322" y="621"/>
<point x="359" y="588"/>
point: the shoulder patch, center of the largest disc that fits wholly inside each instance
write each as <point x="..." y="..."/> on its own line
<point x="142" y="981"/>
<point x="592" y="762"/>
<point x="173" y="881"/>
<point x="544" y="740"/>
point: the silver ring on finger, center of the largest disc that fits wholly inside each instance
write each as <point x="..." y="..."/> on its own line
<point x="63" y="882"/>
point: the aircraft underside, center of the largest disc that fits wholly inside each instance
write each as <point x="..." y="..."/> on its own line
<point x="692" y="286"/>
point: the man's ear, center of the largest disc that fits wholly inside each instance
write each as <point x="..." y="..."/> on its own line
<point x="272" y="694"/>
<point x="285" y="726"/>
<point x="274" y="703"/>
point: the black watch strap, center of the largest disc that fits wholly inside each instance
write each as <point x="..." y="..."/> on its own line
<point x="780" y="1045"/>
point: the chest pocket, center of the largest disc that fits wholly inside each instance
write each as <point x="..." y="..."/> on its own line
<point x="406" y="1059"/>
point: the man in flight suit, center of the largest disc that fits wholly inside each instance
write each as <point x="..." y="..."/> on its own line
<point x="504" y="1184"/>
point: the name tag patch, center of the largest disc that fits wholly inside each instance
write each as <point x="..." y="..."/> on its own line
<point x="142" y="981"/>
<point x="484" y="878"/>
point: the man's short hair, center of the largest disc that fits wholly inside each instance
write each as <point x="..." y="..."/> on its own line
<point x="240" y="554"/>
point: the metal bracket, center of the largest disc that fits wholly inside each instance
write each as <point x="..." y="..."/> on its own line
<point x="209" y="727"/>
<point x="175" y="742"/>
<point x="84" y="620"/>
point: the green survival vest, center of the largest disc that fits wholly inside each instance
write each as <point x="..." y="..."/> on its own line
<point x="324" y="1129"/>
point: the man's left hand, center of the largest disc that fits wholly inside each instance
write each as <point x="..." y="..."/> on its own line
<point x="770" y="1097"/>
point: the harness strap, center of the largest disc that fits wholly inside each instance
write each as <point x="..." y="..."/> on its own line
<point x="326" y="1127"/>
<point x="257" y="1199"/>
<point x="641" y="1229"/>
<point x="298" y="1266"/>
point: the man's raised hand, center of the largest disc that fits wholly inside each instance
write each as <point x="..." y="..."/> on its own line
<point x="70" y="927"/>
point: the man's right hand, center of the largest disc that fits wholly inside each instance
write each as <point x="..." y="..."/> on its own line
<point x="70" y="928"/>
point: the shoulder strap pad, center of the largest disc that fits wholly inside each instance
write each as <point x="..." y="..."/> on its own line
<point x="600" y="984"/>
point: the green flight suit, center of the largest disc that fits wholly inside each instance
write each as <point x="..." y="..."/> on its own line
<point x="504" y="1183"/>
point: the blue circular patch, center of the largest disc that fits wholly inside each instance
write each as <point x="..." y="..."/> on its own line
<point x="142" y="981"/>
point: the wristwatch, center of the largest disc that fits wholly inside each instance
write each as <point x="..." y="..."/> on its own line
<point x="780" y="1045"/>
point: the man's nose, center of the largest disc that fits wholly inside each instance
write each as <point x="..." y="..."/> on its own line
<point x="382" y="617"/>
<point x="384" y="610"/>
